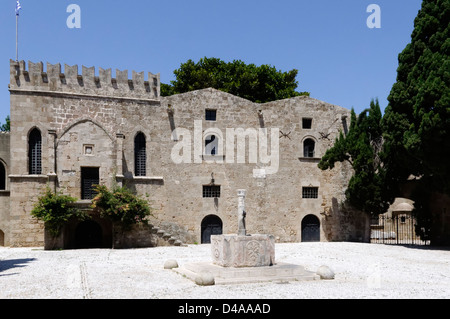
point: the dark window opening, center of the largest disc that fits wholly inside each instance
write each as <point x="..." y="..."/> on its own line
<point x="211" y="115"/>
<point x="307" y="124"/>
<point x="310" y="192"/>
<point x="211" y="191"/>
<point x="308" y="148"/>
<point x="211" y="145"/>
<point x="140" y="155"/>
<point x="89" y="179"/>
<point x="2" y="177"/>
<point x="35" y="152"/>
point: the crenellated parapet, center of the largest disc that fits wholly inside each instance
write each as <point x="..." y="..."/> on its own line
<point x="87" y="83"/>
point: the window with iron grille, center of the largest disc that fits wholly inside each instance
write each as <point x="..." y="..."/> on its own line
<point x="35" y="152"/>
<point x="310" y="192"/>
<point x="89" y="178"/>
<point x="211" y="191"/>
<point x="140" y="155"/>
<point x="306" y="123"/>
<point x="211" y="115"/>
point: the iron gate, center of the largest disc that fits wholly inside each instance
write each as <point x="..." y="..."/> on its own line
<point x="395" y="230"/>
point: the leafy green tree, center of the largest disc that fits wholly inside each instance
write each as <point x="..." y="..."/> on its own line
<point x="361" y="147"/>
<point x="416" y="124"/>
<point x="7" y="126"/>
<point x="256" y="83"/>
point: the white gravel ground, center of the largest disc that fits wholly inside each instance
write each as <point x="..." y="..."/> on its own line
<point x="362" y="271"/>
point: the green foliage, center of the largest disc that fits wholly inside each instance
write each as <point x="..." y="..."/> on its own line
<point x="120" y="205"/>
<point x="7" y="126"/>
<point x="256" y="83"/>
<point x="417" y="120"/>
<point x="361" y="147"/>
<point x="55" y="210"/>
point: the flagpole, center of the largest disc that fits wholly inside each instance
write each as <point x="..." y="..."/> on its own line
<point x="17" y="37"/>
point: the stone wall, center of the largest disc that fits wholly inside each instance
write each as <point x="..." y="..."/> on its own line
<point x="74" y="111"/>
<point x="4" y="193"/>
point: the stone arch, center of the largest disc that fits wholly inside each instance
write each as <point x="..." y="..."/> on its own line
<point x="211" y="225"/>
<point x="84" y="144"/>
<point x="72" y="125"/>
<point x="310" y="228"/>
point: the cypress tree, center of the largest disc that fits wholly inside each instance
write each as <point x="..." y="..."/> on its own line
<point x="416" y="124"/>
<point x="361" y="148"/>
<point x="417" y="119"/>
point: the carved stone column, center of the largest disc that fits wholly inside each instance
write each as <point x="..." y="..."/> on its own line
<point x="241" y="213"/>
<point x="52" y="176"/>
<point x="119" y="158"/>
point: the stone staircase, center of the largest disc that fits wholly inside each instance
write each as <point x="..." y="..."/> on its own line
<point x="167" y="237"/>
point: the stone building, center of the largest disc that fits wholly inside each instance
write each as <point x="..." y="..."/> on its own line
<point x="189" y="153"/>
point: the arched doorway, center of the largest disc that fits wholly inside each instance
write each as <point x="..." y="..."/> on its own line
<point x="310" y="229"/>
<point x="211" y="225"/>
<point x="2" y="238"/>
<point x="88" y="234"/>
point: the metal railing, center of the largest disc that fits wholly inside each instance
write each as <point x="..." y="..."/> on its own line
<point x="395" y="230"/>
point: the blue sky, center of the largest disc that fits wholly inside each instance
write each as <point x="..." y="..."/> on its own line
<point x="340" y="60"/>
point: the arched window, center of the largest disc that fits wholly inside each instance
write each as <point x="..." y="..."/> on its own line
<point x="308" y="148"/>
<point x="35" y="152"/>
<point x="2" y="177"/>
<point x="211" y="145"/>
<point x="140" y="155"/>
<point x="2" y="238"/>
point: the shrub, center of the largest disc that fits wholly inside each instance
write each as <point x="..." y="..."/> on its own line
<point x="120" y="205"/>
<point x="55" y="210"/>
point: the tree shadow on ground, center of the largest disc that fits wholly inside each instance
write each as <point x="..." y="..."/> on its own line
<point x="14" y="263"/>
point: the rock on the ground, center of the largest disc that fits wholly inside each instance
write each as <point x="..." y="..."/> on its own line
<point x="325" y="272"/>
<point x="205" y="280"/>
<point x="170" y="264"/>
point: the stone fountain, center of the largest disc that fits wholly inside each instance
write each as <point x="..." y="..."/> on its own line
<point x="243" y="258"/>
<point x="243" y="250"/>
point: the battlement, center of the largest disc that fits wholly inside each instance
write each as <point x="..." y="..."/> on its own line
<point x="86" y="83"/>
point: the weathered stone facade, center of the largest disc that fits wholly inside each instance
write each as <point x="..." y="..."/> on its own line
<point x="89" y="121"/>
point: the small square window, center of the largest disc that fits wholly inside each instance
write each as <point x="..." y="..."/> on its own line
<point x="88" y="149"/>
<point x="310" y="192"/>
<point x="307" y="123"/>
<point x="211" y="115"/>
<point x="211" y="191"/>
